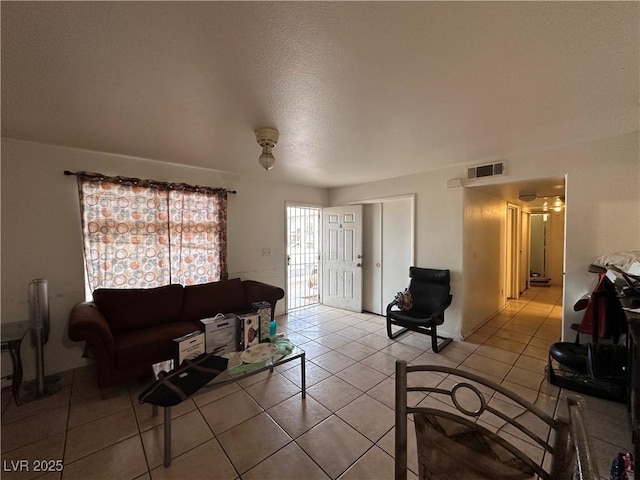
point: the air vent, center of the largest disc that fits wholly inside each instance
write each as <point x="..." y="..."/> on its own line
<point x="488" y="170"/>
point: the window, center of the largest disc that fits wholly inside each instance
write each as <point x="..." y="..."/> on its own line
<point x="141" y="234"/>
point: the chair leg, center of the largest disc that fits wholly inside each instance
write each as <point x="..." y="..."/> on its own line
<point x="400" y="449"/>
<point x="435" y="345"/>
<point x="394" y="335"/>
<point x="551" y="375"/>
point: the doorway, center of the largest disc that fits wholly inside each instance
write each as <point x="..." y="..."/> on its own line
<point x="512" y="253"/>
<point x="342" y="257"/>
<point x="547" y="248"/>
<point x="487" y="289"/>
<point x="355" y="257"/>
<point x="538" y="273"/>
<point x="303" y="255"/>
<point x="525" y="249"/>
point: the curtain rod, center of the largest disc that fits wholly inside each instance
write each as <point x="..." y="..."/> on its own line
<point x="148" y="183"/>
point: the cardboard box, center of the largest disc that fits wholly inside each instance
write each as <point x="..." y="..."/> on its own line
<point x="189" y="346"/>
<point x="264" y="310"/>
<point x="250" y="326"/>
<point x="221" y="333"/>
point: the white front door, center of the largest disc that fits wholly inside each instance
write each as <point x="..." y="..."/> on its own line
<point x="342" y="257"/>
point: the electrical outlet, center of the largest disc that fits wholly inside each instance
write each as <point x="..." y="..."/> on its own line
<point x="266" y="252"/>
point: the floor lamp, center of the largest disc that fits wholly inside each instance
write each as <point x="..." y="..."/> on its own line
<point x="39" y="324"/>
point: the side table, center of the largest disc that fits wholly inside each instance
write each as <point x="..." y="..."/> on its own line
<point x="11" y="335"/>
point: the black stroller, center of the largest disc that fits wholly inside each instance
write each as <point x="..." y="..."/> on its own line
<point x="597" y="368"/>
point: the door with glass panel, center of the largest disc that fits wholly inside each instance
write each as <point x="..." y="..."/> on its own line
<point x="303" y="256"/>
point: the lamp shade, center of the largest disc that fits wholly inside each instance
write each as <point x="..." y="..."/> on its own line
<point x="267" y="160"/>
<point x="267" y="138"/>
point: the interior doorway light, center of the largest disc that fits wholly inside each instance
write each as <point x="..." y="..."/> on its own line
<point x="267" y="138"/>
<point x="557" y="205"/>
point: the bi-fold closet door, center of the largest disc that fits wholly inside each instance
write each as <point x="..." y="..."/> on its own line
<point x="388" y="246"/>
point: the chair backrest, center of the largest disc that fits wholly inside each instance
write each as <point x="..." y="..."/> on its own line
<point x="430" y="288"/>
<point x="453" y="443"/>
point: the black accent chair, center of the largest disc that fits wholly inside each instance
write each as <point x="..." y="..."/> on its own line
<point x="430" y="293"/>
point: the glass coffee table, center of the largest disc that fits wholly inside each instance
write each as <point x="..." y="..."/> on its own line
<point x="230" y="375"/>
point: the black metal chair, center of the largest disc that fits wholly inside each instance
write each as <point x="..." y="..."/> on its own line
<point x="450" y="443"/>
<point x="429" y="290"/>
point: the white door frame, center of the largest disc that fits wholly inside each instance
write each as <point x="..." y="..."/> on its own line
<point x="512" y="252"/>
<point x="525" y="238"/>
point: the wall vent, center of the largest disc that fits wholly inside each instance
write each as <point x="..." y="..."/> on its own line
<point x="489" y="170"/>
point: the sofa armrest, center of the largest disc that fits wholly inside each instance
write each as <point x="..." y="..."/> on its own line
<point x="87" y="323"/>
<point x="255" y="291"/>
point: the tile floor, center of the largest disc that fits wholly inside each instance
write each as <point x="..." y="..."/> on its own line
<point x="260" y="428"/>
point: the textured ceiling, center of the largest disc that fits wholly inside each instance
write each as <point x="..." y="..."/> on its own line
<point x="360" y="91"/>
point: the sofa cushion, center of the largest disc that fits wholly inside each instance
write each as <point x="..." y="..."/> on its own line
<point x="208" y="299"/>
<point x="133" y="308"/>
<point x="149" y="345"/>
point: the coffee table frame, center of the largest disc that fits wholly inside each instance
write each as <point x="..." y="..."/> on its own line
<point x="227" y="377"/>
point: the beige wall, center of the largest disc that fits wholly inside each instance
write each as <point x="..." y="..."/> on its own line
<point x="484" y="260"/>
<point x="41" y="236"/>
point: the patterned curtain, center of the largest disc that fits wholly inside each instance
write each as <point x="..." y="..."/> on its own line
<point x="138" y="234"/>
<point x="198" y="236"/>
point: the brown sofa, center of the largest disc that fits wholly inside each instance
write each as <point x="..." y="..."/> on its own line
<point x="128" y="330"/>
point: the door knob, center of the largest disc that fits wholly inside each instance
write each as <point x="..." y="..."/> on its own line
<point x="358" y="264"/>
<point x="378" y="264"/>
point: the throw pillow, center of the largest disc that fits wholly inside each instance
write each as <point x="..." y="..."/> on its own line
<point x="404" y="300"/>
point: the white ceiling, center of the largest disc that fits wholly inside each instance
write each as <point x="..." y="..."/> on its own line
<point x="360" y="91"/>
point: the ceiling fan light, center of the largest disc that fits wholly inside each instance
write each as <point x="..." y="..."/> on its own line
<point x="267" y="160"/>
<point x="267" y="138"/>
